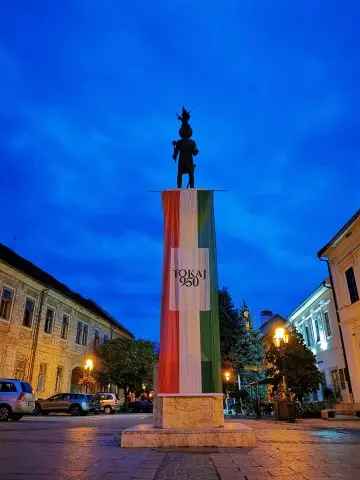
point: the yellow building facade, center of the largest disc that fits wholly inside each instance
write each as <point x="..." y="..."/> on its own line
<point x="47" y="331"/>
<point x="342" y="253"/>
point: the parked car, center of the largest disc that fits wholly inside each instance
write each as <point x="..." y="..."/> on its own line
<point x="16" y="399"/>
<point x="109" y="402"/>
<point x="94" y="403"/>
<point x="141" y="406"/>
<point x="73" y="403"/>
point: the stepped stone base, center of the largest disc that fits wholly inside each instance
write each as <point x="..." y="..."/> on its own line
<point x="189" y="411"/>
<point x="230" y="435"/>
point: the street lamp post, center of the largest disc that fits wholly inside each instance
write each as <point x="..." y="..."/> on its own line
<point x="281" y="338"/>
<point x="88" y="368"/>
<point x="285" y="408"/>
<point x="227" y="376"/>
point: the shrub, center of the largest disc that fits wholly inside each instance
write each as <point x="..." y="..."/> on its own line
<point x="311" y="409"/>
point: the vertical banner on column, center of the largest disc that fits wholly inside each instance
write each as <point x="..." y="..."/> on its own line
<point x="190" y="341"/>
<point x="169" y="330"/>
<point x="209" y="320"/>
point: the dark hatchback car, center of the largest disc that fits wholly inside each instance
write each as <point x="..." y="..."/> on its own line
<point x="141" y="406"/>
<point x="73" y="403"/>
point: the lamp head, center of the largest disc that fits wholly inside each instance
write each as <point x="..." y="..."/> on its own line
<point x="280" y="335"/>
<point x="89" y="364"/>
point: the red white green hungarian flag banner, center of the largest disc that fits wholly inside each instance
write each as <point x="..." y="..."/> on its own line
<point x="189" y="340"/>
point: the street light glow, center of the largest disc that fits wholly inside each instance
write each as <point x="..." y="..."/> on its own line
<point x="89" y="364"/>
<point x="280" y="336"/>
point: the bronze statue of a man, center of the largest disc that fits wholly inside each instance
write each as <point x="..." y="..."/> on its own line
<point x="185" y="148"/>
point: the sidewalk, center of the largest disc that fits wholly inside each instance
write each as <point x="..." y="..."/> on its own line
<point x="69" y="448"/>
<point x="305" y="450"/>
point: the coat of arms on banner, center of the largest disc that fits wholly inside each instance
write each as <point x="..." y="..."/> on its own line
<point x="189" y="279"/>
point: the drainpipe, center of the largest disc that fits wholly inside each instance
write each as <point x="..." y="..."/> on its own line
<point x="36" y="336"/>
<point x="323" y="259"/>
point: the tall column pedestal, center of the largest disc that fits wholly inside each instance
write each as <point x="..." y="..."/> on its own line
<point x="188" y="410"/>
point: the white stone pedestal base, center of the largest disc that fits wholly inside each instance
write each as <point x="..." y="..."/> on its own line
<point x="201" y="410"/>
<point x="230" y="435"/>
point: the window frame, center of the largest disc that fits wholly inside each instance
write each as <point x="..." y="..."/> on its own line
<point x="59" y="384"/>
<point x="44" y="375"/>
<point x="67" y="316"/>
<point x="326" y="323"/>
<point x="20" y="368"/>
<point x="12" y="289"/>
<point x="29" y="297"/>
<point x="51" y="309"/>
<point x="353" y="293"/>
<point x="79" y="330"/>
<point x="96" y="338"/>
<point x="85" y="334"/>
<point x="317" y="336"/>
<point x="307" y="334"/>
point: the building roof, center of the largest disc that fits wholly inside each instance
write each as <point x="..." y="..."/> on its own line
<point x="315" y="294"/>
<point x="341" y="232"/>
<point x="25" y="266"/>
<point x="271" y="322"/>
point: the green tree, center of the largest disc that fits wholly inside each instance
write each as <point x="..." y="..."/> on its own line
<point x="229" y="324"/>
<point x="297" y="363"/>
<point x="247" y="351"/>
<point x="128" y="363"/>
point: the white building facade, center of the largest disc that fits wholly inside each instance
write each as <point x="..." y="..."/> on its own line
<point x="343" y="256"/>
<point x="315" y="318"/>
<point x="47" y="331"/>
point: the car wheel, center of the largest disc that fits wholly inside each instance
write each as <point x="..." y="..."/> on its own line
<point x="16" y="416"/>
<point x="37" y="411"/>
<point x="107" y="410"/>
<point x="5" y="413"/>
<point x="75" y="410"/>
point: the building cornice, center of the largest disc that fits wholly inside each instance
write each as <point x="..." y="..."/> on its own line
<point x="36" y="285"/>
<point x="312" y="298"/>
<point x="344" y="230"/>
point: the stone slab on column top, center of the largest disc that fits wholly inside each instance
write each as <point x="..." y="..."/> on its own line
<point x="188" y="411"/>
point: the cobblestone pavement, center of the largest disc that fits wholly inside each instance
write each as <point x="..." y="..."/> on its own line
<point x="69" y="448"/>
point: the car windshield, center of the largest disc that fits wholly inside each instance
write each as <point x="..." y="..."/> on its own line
<point x="26" y="387"/>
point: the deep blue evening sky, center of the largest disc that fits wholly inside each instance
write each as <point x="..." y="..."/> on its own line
<point x="89" y="92"/>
